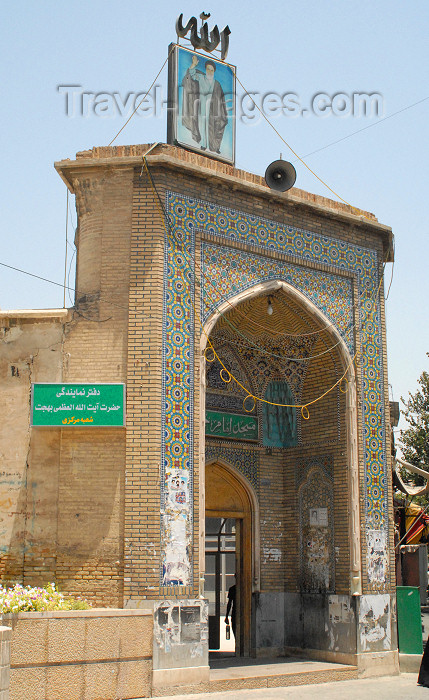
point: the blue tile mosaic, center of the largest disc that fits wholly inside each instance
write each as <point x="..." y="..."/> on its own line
<point x="246" y="461"/>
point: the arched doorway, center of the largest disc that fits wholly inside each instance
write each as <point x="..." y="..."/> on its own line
<point x="230" y="521"/>
<point x="304" y="473"/>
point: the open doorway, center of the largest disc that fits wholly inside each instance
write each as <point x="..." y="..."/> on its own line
<point x="228" y="557"/>
<point x="220" y="579"/>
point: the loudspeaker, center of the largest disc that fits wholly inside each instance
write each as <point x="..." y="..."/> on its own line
<point x="280" y="175"/>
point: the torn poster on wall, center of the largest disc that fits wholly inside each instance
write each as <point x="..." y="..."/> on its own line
<point x="180" y="633"/>
<point x="316" y="532"/>
<point x="177" y="528"/>
<point x="375" y="622"/>
<point x="377" y="557"/>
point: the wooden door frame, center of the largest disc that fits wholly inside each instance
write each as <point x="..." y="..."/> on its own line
<point x="249" y="542"/>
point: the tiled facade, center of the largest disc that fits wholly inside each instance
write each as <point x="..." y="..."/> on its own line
<point x="355" y="316"/>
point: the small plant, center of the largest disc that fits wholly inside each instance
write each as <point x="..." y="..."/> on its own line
<point x="33" y="599"/>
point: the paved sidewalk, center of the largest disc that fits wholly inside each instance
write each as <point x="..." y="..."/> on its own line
<point x="387" y="688"/>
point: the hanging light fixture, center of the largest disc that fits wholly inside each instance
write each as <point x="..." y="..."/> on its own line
<point x="269" y="307"/>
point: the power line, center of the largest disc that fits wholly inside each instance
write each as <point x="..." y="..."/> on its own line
<point x="143" y="98"/>
<point x="364" y="128"/>
<point x="296" y="154"/>
<point x="58" y="284"/>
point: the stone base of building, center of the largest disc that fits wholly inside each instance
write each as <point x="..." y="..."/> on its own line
<point x="191" y="675"/>
<point x="369" y="665"/>
<point x="379" y="663"/>
<point x="410" y="663"/>
<point x="329" y="627"/>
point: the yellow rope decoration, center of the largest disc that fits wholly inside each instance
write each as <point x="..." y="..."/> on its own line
<point x="305" y="413"/>
<point x="228" y="375"/>
<point x="212" y="358"/>
<point x="249" y="410"/>
<point x="344" y="382"/>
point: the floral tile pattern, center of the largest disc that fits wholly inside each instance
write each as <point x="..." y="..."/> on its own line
<point x="221" y="273"/>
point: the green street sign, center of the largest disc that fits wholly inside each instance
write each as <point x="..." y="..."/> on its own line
<point x="231" y="425"/>
<point x="65" y="405"/>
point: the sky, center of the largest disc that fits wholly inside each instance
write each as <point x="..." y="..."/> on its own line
<point x="322" y="54"/>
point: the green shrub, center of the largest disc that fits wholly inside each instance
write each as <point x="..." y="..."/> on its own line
<point x="27" y="599"/>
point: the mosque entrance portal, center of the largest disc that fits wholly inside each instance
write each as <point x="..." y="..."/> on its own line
<point x="281" y="468"/>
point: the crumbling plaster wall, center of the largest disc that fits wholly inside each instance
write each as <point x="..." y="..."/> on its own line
<point x="30" y="351"/>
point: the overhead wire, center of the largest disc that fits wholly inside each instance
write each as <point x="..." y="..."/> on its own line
<point x="68" y="277"/>
<point x="355" y="209"/>
<point x="144" y="97"/>
<point x="364" y="128"/>
<point x="59" y="284"/>
<point x="391" y="272"/>
<point x="65" y="252"/>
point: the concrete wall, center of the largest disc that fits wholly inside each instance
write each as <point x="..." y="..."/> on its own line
<point x="90" y="654"/>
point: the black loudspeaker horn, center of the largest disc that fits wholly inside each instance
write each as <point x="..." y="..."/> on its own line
<point x="280" y="175"/>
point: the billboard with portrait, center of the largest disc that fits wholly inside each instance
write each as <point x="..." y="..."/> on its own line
<point x="201" y="100"/>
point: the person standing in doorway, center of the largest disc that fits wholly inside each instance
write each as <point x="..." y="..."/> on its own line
<point x="231" y="607"/>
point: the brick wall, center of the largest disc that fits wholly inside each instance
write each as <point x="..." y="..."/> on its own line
<point x="92" y="478"/>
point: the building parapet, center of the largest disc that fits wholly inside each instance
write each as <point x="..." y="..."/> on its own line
<point x="207" y="168"/>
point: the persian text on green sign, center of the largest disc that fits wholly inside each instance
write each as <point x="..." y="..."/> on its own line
<point x="231" y="425"/>
<point x="78" y="404"/>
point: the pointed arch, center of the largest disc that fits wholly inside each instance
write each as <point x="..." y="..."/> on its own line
<point x="236" y="478"/>
<point x="262" y="289"/>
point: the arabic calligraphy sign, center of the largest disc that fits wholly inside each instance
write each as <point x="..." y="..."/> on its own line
<point x="231" y="425"/>
<point x="78" y="405"/>
<point x="201" y="40"/>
